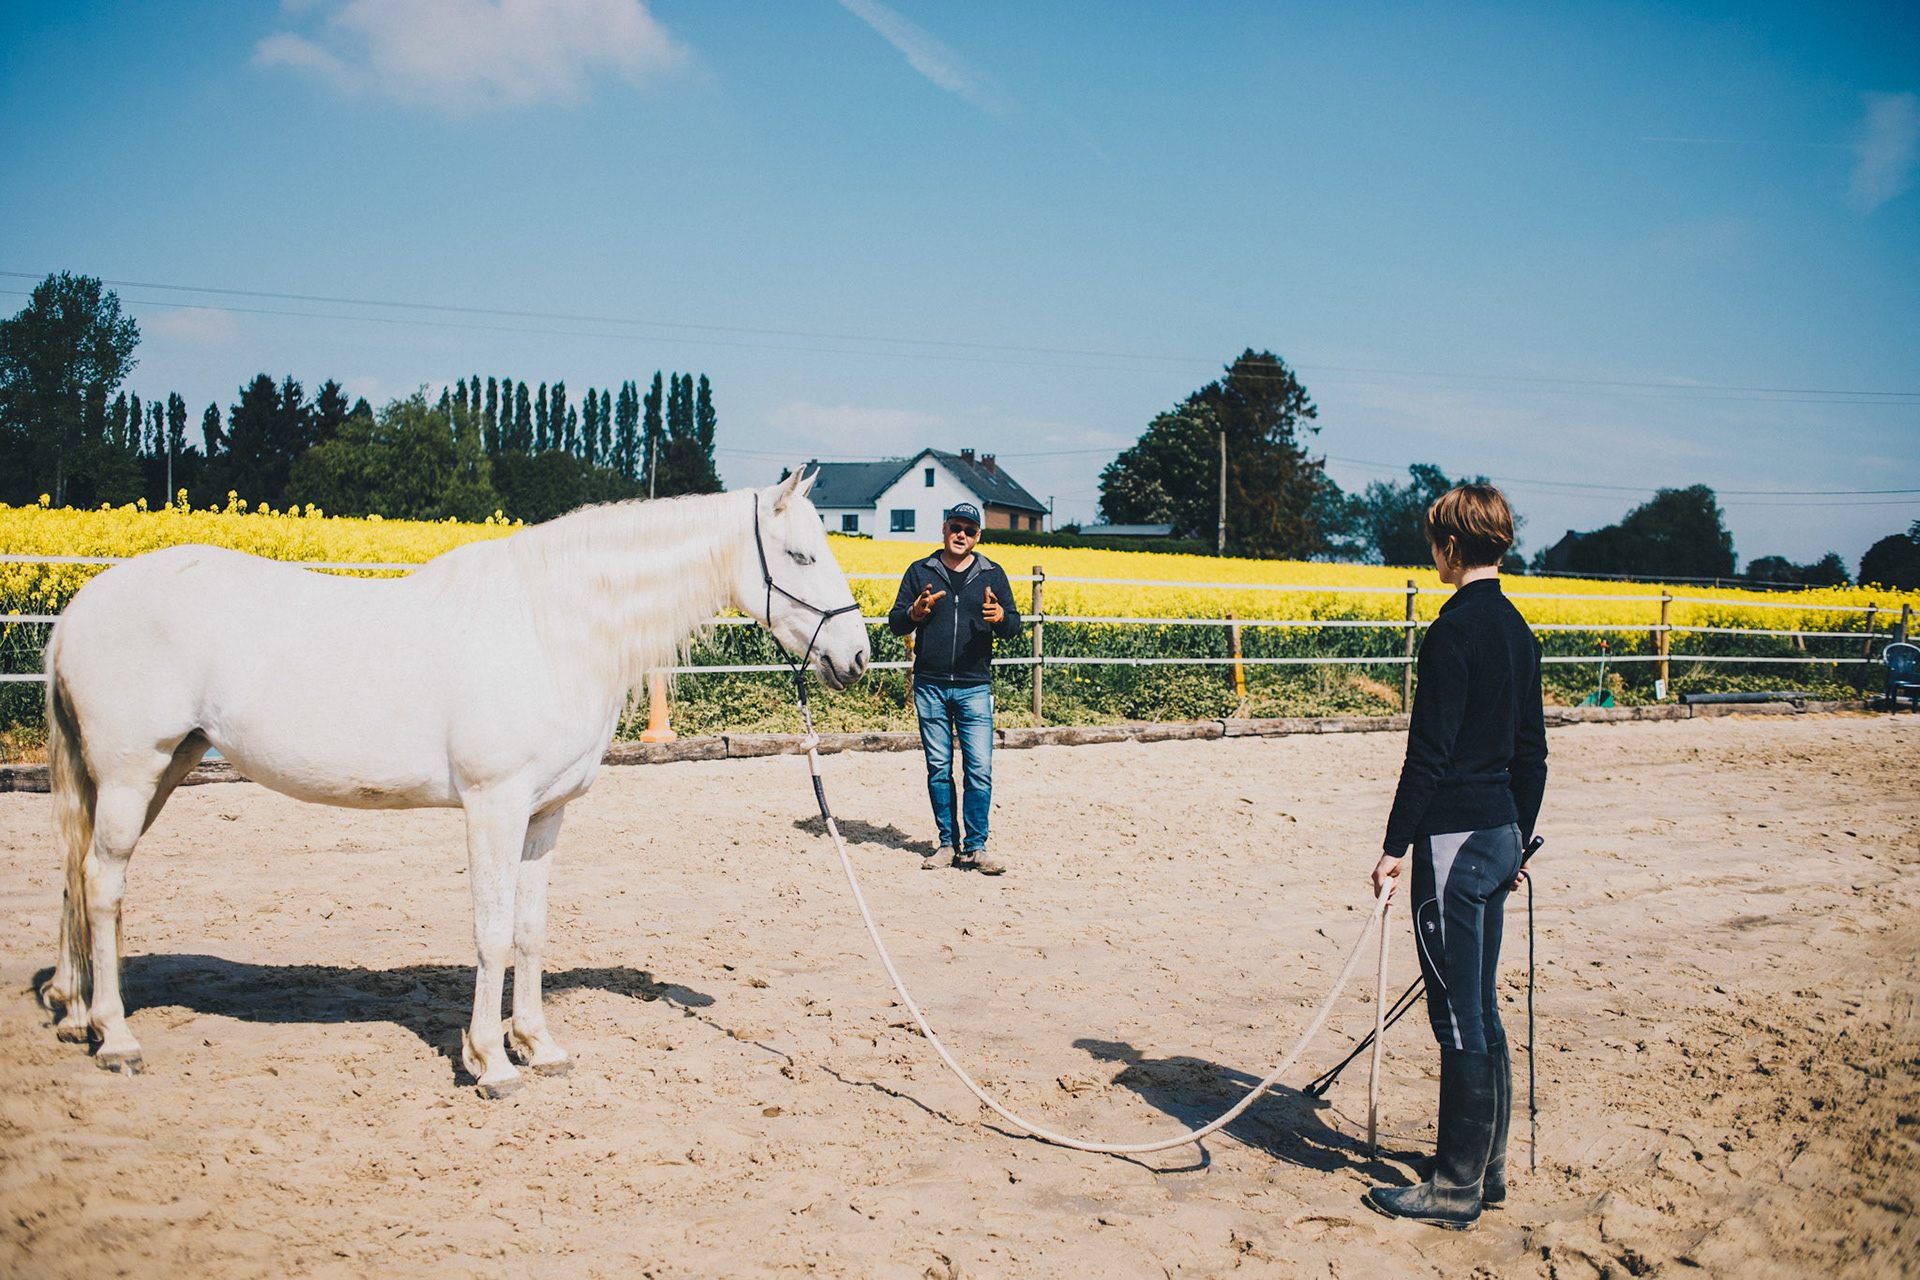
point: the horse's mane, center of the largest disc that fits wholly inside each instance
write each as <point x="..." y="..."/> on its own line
<point x="620" y="589"/>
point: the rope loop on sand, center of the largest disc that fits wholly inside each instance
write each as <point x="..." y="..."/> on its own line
<point x="812" y="742"/>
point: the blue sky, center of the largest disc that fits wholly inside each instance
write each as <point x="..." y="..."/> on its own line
<point x="1587" y="250"/>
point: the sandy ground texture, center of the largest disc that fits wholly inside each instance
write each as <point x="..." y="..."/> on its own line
<point x="1727" y="1042"/>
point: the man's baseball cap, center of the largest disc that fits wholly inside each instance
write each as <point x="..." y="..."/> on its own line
<point x="964" y="511"/>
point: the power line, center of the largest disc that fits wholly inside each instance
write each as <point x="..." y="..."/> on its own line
<point x="1685" y="389"/>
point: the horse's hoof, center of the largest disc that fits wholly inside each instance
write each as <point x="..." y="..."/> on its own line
<point x="127" y="1064"/>
<point x="497" y="1090"/>
<point x="560" y="1068"/>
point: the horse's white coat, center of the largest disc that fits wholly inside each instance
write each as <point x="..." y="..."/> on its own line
<point x="492" y="679"/>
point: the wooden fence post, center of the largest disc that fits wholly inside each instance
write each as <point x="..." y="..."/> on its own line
<point x="1406" y="674"/>
<point x="1866" y="650"/>
<point x="1906" y="623"/>
<point x="1665" y="645"/>
<point x="1233" y="651"/>
<point x="1039" y="625"/>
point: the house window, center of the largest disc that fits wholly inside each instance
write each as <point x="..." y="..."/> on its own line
<point x="929" y="475"/>
<point x="900" y="520"/>
<point x="850" y="524"/>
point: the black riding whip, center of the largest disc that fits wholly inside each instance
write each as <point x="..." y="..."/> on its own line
<point x="1414" y="992"/>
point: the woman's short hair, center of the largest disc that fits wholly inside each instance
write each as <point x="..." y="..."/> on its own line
<point x="1476" y="519"/>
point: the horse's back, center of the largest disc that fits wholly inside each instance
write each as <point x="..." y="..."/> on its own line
<point x="329" y="688"/>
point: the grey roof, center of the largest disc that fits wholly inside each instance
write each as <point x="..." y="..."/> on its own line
<point x="853" y="484"/>
<point x="1126" y="530"/>
<point x="994" y="486"/>
<point x="859" y="484"/>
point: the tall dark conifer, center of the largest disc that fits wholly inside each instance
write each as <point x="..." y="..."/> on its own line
<point x="650" y="436"/>
<point x="522" y="420"/>
<point x="491" y="422"/>
<point x="541" y="421"/>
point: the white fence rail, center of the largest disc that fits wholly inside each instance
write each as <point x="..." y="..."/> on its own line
<point x="1659" y="630"/>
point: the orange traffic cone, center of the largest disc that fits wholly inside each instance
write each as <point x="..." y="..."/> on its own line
<point x="657" y="728"/>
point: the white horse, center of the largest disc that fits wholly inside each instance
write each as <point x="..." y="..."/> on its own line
<point x="492" y="678"/>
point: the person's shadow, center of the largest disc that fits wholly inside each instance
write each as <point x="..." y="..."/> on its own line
<point x="1285" y="1123"/>
<point x="433" y="1001"/>
<point x="860" y="831"/>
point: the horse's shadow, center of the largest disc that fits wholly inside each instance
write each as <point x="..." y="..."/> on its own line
<point x="860" y="831"/>
<point x="1285" y="1123"/>
<point x="433" y="1001"/>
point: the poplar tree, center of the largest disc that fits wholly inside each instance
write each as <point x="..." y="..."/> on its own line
<point x="650" y="436"/>
<point x="491" y="422"/>
<point x="522" y="420"/>
<point x="540" y="421"/>
<point x="626" y="432"/>
<point x="605" y="447"/>
<point x="210" y="431"/>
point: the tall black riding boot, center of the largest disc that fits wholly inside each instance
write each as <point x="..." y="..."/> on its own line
<point x="1450" y="1197"/>
<point x="1493" y="1188"/>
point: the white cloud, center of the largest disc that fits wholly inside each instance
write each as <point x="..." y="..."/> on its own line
<point x="929" y="57"/>
<point x="1887" y="148"/>
<point x="848" y="430"/>
<point x="190" y="326"/>
<point x="460" y="54"/>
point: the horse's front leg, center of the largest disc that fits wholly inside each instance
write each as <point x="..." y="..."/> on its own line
<point x="496" y="833"/>
<point x="530" y="1040"/>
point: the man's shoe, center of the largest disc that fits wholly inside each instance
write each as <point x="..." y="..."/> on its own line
<point x="1450" y="1196"/>
<point x="979" y="860"/>
<point x="944" y="856"/>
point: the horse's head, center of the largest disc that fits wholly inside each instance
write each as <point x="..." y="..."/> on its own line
<point x="795" y="589"/>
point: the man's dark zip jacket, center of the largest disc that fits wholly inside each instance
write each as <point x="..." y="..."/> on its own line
<point x="955" y="645"/>
<point x="1477" y="744"/>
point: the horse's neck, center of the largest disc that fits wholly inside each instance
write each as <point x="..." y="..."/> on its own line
<point x="618" y="591"/>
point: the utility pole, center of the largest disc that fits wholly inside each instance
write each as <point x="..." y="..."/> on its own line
<point x="1220" y="547"/>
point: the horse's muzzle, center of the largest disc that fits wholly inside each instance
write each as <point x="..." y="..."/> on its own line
<point x="836" y="676"/>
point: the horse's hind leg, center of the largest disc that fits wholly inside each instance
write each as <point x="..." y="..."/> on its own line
<point x="530" y="1040"/>
<point x="119" y="818"/>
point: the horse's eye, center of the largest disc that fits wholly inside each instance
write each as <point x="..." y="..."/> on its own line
<point x="800" y="557"/>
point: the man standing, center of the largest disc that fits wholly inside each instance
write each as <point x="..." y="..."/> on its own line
<point x="956" y="602"/>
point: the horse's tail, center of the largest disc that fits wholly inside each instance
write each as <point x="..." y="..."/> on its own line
<point x="73" y="801"/>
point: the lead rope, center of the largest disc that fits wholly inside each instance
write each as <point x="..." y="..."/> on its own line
<point x="812" y="743"/>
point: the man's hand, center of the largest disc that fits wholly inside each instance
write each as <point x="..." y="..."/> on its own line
<point x="1385" y="873"/>
<point x="991" y="610"/>
<point x="923" y="605"/>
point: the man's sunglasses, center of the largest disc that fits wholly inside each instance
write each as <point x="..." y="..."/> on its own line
<point x="967" y="529"/>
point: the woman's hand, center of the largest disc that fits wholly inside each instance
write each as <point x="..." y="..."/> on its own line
<point x="1384" y="873"/>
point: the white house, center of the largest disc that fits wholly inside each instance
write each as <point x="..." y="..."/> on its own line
<point x="904" y="498"/>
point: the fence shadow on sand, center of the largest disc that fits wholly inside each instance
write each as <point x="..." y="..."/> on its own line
<point x="433" y="1001"/>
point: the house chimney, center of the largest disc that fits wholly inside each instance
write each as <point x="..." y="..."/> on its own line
<point x="986" y="461"/>
<point x="966" y="456"/>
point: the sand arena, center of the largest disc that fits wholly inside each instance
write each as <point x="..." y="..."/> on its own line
<point x="1729" y="947"/>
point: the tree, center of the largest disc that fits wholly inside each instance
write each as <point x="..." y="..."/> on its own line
<point x="603" y="450"/>
<point x="492" y="421"/>
<point x="650" y="437"/>
<point x="1273" y="487"/>
<point x="411" y="461"/>
<point x="685" y="463"/>
<point x="60" y="358"/>
<point x="559" y="435"/>
<point x="216" y="439"/>
<point x="626" y="432"/>
<point x="1678" y="533"/>
<point x="541" y="421"/>
<point x="1894" y="561"/>
<point x="522" y="421"/>
<point x="329" y="410"/>
<point x="1170" y="476"/>
<point x="1828" y="571"/>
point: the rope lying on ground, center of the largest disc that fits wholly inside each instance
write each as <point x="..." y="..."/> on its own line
<point x="1108" y="1148"/>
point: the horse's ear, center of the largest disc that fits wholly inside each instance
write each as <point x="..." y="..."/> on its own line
<point x="797" y="483"/>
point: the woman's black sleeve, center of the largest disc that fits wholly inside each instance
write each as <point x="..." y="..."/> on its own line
<point x="1438" y="709"/>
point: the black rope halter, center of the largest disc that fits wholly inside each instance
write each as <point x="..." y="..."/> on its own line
<point x="799" y="668"/>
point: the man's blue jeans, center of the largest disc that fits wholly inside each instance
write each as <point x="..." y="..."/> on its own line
<point x="969" y="709"/>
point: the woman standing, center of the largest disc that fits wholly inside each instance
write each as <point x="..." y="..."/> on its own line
<point x="1469" y="793"/>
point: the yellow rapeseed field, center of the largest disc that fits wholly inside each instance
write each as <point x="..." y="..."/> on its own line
<point x="1620" y="603"/>
<point x="130" y="530"/>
